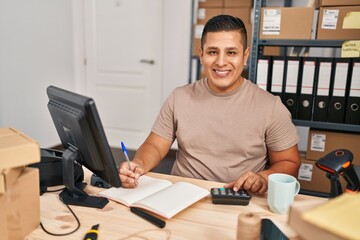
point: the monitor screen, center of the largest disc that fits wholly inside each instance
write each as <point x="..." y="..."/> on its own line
<point x="81" y="133"/>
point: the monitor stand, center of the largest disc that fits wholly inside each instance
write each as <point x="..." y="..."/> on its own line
<point x="73" y="194"/>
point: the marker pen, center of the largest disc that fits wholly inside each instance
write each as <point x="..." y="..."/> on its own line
<point x="147" y="216"/>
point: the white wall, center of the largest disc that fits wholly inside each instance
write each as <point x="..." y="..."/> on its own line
<point x="39" y="46"/>
<point x="35" y="51"/>
<point x="177" y="42"/>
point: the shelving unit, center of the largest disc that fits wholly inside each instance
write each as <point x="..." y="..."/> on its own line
<point x="257" y="44"/>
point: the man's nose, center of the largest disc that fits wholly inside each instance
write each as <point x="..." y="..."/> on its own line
<point x="221" y="59"/>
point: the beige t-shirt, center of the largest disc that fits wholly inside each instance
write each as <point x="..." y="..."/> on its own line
<point x="221" y="136"/>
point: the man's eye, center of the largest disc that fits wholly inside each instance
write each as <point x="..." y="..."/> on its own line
<point x="212" y="52"/>
<point x="232" y="53"/>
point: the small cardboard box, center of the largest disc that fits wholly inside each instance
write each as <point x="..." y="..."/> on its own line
<point x="339" y="23"/>
<point x="323" y="3"/>
<point x="322" y="142"/>
<point x="21" y="205"/>
<point x="286" y="23"/>
<point x="313" y="179"/>
<point x="17" y="149"/>
<point x="306" y="230"/>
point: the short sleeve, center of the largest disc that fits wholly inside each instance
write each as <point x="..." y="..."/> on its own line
<point x="164" y="125"/>
<point x="281" y="133"/>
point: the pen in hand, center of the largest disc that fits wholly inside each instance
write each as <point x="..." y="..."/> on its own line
<point x="128" y="160"/>
<point x="126" y="154"/>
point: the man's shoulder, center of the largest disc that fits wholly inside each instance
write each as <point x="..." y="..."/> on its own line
<point x="189" y="88"/>
<point x="259" y="92"/>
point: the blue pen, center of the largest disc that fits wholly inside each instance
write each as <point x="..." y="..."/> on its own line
<point x="126" y="154"/>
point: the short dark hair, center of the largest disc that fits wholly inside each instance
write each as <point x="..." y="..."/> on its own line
<point x="225" y="23"/>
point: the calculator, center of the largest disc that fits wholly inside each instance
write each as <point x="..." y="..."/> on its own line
<point x="229" y="196"/>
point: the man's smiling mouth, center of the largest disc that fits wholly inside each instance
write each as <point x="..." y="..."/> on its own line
<point x="221" y="72"/>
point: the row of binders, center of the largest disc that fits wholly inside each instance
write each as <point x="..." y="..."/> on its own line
<point x="314" y="89"/>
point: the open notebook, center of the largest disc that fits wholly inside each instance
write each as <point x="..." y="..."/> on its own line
<point x="157" y="195"/>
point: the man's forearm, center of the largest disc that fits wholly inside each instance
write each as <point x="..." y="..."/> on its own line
<point x="147" y="157"/>
<point x="288" y="167"/>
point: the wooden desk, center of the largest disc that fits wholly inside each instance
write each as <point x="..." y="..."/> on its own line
<point x="202" y="220"/>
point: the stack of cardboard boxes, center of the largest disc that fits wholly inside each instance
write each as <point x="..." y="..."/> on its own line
<point x="326" y="20"/>
<point x="320" y="143"/>
<point x="339" y="20"/>
<point x="207" y="9"/>
<point x="286" y="23"/>
<point x="19" y="185"/>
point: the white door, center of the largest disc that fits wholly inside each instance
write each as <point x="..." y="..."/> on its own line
<point x="123" y="40"/>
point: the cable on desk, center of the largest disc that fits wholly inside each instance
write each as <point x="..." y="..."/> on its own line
<point x="62" y="234"/>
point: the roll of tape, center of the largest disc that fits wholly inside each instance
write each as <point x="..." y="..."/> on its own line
<point x="249" y="226"/>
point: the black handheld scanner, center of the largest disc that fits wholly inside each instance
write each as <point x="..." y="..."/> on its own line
<point x="339" y="162"/>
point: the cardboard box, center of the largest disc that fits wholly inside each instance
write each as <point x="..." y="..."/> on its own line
<point x="17" y="149"/>
<point x="22" y="205"/>
<point x="286" y="23"/>
<point x="238" y="3"/>
<point x="204" y="14"/>
<point x="338" y="216"/>
<point x="243" y="13"/>
<point x="306" y="230"/>
<point x="3" y="225"/>
<point x="323" y="3"/>
<point x="322" y="142"/>
<point x="272" y="51"/>
<point x="210" y="3"/>
<point x="8" y="177"/>
<point x="313" y="179"/>
<point x="339" y="23"/>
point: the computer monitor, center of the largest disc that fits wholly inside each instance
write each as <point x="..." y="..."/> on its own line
<point x="81" y="133"/>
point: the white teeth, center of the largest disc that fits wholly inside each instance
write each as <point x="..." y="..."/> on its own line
<point x="221" y="72"/>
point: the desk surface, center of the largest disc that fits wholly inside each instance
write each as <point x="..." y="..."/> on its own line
<point x="203" y="219"/>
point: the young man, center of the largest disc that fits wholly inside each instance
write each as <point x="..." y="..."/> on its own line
<point x="227" y="128"/>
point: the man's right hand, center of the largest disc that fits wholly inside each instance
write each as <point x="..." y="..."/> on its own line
<point x="129" y="177"/>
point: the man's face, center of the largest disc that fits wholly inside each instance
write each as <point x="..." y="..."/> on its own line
<point x="223" y="59"/>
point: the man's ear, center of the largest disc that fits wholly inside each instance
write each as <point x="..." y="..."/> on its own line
<point x="200" y="54"/>
<point x="246" y="55"/>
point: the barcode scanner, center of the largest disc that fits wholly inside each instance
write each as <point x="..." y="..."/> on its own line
<point x="339" y="163"/>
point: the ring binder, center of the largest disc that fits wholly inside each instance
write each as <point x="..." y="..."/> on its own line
<point x="352" y="115"/>
<point x="305" y="107"/>
<point x="277" y="76"/>
<point x="322" y="89"/>
<point x="292" y="66"/>
<point x="263" y="70"/>
<point x="337" y="98"/>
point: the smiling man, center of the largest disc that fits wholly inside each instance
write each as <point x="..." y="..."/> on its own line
<point x="227" y="128"/>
